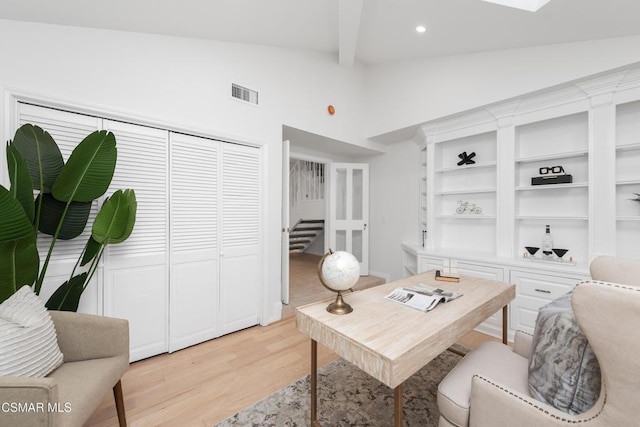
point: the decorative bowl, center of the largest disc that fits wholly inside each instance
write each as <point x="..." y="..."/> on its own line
<point x="560" y="252"/>
<point x="532" y="250"/>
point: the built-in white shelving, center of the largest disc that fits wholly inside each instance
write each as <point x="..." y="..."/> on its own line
<point x="591" y="129"/>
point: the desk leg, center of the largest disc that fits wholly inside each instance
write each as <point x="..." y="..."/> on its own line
<point x="314" y="383"/>
<point x="397" y="404"/>
<point x="505" y="324"/>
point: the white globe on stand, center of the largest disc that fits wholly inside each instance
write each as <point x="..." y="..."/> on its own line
<point x="339" y="271"/>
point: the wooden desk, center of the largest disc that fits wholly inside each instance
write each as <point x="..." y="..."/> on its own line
<point x="391" y="342"/>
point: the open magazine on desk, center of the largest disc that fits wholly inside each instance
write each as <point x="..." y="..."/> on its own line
<point x="421" y="296"/>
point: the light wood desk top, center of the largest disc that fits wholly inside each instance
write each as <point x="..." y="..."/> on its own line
<point x="390" y="341"/>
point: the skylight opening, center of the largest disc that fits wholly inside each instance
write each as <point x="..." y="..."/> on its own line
<point x="528" y="5"/>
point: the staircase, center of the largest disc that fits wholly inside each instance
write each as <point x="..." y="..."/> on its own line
<point x="302" y="235"/>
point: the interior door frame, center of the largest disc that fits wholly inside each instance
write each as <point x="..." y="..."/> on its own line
<point x="286" y="218"/>
<point x="349" y="223"/>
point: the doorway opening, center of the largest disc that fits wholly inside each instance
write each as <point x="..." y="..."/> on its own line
<point x="308" y="220"/>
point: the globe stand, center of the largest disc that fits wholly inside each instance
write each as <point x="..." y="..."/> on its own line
<point x="339" y="306"/>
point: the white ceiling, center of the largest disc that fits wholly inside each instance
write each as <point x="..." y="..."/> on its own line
<point x="366" y="31"/>
<point x="385" y="31"/>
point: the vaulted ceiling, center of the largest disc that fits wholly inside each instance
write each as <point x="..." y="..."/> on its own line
<point x="368" y="31"/>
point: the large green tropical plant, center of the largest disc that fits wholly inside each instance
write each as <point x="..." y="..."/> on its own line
<point x="64" y="194"/>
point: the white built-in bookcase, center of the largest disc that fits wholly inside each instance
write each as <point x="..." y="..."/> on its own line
<point x="628" y="178"/>
<point x="589" y="127"/>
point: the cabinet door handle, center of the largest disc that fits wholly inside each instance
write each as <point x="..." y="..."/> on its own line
<point x="544" y="291"/>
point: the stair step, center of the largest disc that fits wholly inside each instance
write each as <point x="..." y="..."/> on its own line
<point x="311" y="221"/>
<point x="308" y="228"/>
<point x="296" y="247"/>
<point x="294" y="235"/>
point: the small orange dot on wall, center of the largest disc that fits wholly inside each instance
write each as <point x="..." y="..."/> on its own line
<point x="331" y="109"/>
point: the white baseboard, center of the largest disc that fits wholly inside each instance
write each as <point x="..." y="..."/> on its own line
<point x="385" y="276"/>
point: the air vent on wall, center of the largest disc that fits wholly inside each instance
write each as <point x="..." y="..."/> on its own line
<point x="244" y="94"/>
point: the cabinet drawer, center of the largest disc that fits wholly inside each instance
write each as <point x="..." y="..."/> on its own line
<point x="524" y="313"/>
<point x="486" y="272"/>
<point x="542" y="286"/>
<point x="428" y="263"/>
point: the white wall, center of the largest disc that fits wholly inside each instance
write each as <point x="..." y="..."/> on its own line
<point x="185" y="83"/>
<point x="393" y="206"/>
<point x="406" y="93"/>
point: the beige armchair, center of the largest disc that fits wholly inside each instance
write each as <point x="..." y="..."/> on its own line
<point x="489" y="387"/>
<point x="96" y="355"/>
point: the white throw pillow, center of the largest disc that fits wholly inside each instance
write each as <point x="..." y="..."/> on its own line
<point x="28" y="341"/>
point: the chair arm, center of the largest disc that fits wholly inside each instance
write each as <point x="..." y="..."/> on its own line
<point x="522" y="343"/>
<point x="28" y="401"/>
<point x="86" y="336"/>
<point x="494" y="404"/>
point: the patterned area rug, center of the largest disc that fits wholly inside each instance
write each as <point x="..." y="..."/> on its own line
<point x="350" y="397"/>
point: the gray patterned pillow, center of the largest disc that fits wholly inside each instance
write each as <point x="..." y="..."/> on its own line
<point x="563" y="371"/>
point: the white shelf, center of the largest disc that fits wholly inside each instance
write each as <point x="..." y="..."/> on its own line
<point x="466" y="167"/>
<point x="628" y="182"/>
<point x="466" y="216"/>
<point x="552" y="186"/>
<point x="628" y="218"/>
<point x="566" y="155"/>
<point x="551" y="218"/>
<point x="478" y="191"/>
<point x="628" y="147"/>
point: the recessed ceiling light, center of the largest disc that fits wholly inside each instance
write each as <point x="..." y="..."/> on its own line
<point x="530" y="5"/>
<point x="421" y="28"/>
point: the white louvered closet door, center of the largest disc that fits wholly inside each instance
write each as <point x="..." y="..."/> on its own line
<point x="240" y="278"/>
<point x="136" y="286"/>
<point x="194" y="192"/>
<point x="67" y="129"/>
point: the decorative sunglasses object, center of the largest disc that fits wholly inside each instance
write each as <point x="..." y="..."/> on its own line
<point x="551" y="175"/>
<point x="553" y="169"/>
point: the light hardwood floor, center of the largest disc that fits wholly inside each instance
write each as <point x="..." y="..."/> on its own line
<point x="206" y="383"/>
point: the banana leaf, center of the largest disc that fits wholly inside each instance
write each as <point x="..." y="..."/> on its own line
<point x="90" y="251"/>
<point x="114" y="223"/>
<point x="67" y="296"/>
<point x="18" y="252"/>
<point x="19" y="265"/>
<point x="15" y="224"/>
<point x="74" y="222"/>
<point x="21" y="185"/>
<point x="42" y="155"/>
<point x="89" y="170"/>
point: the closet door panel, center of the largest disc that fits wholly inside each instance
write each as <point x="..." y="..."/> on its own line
<point x="194" y="296"/>
<point x="240" y="283"/>
<point x="136" y="284"/>
<point x="68" y="130"/>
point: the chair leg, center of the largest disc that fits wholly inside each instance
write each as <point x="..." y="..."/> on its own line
<point x="117" y="395"/>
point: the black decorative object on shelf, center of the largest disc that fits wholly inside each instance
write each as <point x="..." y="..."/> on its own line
<point x="551" y="175"/>
<point x="532" y="250"/>
<point x="466" y="159"/>
<point x="560" y="252"/>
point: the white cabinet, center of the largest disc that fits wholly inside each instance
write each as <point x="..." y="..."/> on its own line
<point x="533" y="290"/>
<point x="536" y="283"/>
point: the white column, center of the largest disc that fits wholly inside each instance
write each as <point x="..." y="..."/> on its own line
<point x="602" y="175"/>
